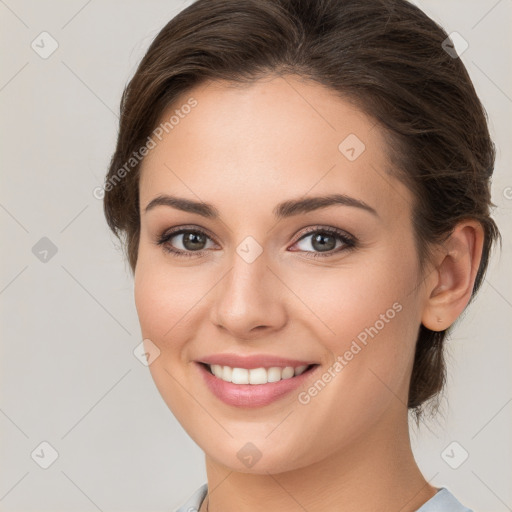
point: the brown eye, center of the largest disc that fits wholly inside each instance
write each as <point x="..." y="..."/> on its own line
<point x="184" y="242"/>
<point x="325" y="240"/>
<point x="192" y="241"/>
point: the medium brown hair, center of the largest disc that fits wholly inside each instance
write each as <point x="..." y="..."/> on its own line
<point x="386" y="56"/>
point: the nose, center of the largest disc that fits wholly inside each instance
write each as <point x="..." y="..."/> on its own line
<point x="249" y="301"/>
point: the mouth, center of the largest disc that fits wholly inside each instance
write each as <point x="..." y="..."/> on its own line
<point x="254" y="387"/>
<point x="256" y="376"/>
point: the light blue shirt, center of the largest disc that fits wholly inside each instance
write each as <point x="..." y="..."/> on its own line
<point x="443" y="501"/>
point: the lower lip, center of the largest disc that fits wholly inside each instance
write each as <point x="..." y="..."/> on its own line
<point x="252" y="395"/>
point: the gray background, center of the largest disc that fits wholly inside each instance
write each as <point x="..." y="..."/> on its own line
<point x="69" y="324"/>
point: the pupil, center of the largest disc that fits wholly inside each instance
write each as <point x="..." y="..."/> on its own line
<point x="193" y="241"/>
<point x="319" y="243"/>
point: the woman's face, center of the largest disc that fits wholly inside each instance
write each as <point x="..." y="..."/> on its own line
<point x="249" y="283"/>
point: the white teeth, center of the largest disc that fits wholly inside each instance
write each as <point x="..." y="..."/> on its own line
<point x="216" y="370"/>
<point x="288" y="372"/>
<point x="240" y="376"/>
<point x="300" y="369"/>
<point x="274" y="374"/>
<point x="227" y="373"/>
<point x="258" y="376"/>
<point x="255" y="375"/>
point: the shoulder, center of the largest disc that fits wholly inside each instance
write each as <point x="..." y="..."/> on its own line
<point x="194" y="502"/>
<point x="443" y="501"/>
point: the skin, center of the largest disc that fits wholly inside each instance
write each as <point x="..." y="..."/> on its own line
<point x="245" y="150"/>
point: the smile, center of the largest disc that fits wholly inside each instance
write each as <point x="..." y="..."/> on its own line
<point x="256" y="375"/>
<point x="254" y="387"/>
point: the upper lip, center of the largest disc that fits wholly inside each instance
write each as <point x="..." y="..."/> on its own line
<point x="252" y="361"/>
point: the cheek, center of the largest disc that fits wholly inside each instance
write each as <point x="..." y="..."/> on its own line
<point x="369" y="316"/>
<point x="384" y="323"/>
<point x="164" y="299"/>
<point x="366" y="292"/>
<point x="172" y="306"/>
<point x="150" y="301"/>
<point x="164" y="296"/>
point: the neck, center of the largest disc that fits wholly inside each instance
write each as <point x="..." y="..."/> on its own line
<point x="376" y="472"/>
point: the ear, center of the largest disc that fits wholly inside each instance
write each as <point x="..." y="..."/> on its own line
<point x="451" y="283"/>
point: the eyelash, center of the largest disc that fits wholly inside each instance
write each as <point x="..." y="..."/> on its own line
<point x="348" y="241"/>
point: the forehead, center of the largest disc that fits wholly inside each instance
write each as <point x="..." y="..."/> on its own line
<point x="273" y="139"/>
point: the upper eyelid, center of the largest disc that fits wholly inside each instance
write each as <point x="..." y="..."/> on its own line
<point x="179" y="231"/>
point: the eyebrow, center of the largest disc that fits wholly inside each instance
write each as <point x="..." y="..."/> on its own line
<point x="282" y="210"/>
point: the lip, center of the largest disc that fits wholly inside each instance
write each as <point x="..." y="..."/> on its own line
<point x="253" y="361"/>
<point x="252" y="395"/>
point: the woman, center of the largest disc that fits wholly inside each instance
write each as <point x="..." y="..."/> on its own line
<point x="303" y="190"/>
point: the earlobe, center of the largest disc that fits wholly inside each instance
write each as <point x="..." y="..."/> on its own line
<point x="457" y="265"/>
